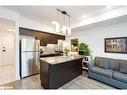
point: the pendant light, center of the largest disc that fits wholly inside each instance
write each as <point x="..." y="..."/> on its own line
<point x="65" y="27"/>
<point x="69" y="28"/>
<point x="57" y="22"/>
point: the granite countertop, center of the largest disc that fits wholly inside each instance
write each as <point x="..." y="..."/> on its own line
<point x="46" y="53"/>
<point x="61" y="59"/>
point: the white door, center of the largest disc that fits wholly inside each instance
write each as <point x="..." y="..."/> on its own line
<point x="0" y="48"/>
<point x="0" y="57"/>
<point x="0" y="60"/>
<point x="8" y="48"/>
<point x="7" y="51"/>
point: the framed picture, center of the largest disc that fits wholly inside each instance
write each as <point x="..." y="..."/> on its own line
<point x="116" y="45"/>
<point x="74" y="44"/>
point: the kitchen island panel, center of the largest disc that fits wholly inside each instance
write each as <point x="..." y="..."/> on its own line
<point x="44" y="74"/>
<point x="55" y="76"/>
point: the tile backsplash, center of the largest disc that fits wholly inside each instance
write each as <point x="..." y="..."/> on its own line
<point x="50" y="48"/>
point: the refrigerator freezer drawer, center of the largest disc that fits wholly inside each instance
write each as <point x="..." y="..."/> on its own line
<point x="30" y="63"/>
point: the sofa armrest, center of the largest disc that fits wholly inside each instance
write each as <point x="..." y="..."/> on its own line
<point x="90" y="65"/>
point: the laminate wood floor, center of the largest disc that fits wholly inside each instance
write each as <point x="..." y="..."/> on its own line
<point x="81" y="82"/>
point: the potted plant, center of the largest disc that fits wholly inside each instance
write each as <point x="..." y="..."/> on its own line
<point x="66" y="49"/>
<point x="84" y="49"/>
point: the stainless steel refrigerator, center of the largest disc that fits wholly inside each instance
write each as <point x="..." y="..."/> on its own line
<point x="29" y="56"/>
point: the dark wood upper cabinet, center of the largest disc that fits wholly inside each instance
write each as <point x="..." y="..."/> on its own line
<point x="44" y="37"/>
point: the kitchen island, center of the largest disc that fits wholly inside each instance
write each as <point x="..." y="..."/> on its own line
<point x="57" y="71"/>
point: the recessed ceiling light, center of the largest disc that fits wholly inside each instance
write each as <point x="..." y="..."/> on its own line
<point x="109" y="6"/>
<point x="11" y="30"/>
<point x="84" y="16"/>
<point x="54" y="22"/>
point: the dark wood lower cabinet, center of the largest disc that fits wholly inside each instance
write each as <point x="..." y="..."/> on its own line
<point x="55" y="76"/>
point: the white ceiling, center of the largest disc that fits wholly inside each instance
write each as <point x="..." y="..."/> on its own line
<point x="102" y="23"/>
<point x="47" y="14"/>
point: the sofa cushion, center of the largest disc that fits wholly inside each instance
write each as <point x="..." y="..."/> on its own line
<point x="114" y="64"/>
<point x="120" y="76"/>
<point x="103" y="72"/>
<point x="102" y="62"/>
<point x="123" y="66"/>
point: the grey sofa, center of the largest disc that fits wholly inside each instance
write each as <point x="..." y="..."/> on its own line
<point x="109" y="71"/>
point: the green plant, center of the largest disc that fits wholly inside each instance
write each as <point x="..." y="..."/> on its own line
<point x="66" y="49"/>
<point x="85" y="48"/>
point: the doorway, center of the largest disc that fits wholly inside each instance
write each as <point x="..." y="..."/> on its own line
<point x="7" y="51"/>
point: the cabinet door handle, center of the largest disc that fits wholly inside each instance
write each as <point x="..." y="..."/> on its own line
<point x="4" y="49"/>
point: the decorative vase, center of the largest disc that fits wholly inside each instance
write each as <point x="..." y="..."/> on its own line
<point x="66" y="53"/>
<point x="81" y="52"/>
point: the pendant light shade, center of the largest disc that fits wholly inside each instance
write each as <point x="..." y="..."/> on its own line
<point x="69" y="31"/>
<point x="65" y="25"/>
<point x="64" y="29"/>
<point x="57" y="26"/>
